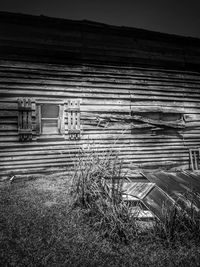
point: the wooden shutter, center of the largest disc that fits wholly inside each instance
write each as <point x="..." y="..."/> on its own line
<point x="74" y="119"/>
<point x="61" y="119"/>
<point x="25" y="120"/>
<point x="194" y="158"/>
<point x="38" y="120"/>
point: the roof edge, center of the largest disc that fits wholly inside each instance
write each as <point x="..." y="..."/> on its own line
<point x="13" y="17"/>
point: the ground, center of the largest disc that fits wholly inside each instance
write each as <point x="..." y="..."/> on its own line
<point x="39" y="228"/>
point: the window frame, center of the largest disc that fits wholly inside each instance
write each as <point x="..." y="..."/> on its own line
<point x="60" y="119"/>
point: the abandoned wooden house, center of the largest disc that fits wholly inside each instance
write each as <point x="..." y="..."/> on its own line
<point x="67" y="84"/>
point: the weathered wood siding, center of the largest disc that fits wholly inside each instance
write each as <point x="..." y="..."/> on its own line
<point x="105" y="92"/>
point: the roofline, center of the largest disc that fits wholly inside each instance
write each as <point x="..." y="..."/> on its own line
<point x="13" y="17"/>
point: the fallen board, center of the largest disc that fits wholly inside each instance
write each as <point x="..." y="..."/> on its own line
<point x="177" y="188"/>
<point x="136" y="190"/>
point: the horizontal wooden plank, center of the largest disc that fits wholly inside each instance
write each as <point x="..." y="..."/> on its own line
<point x="41" y="149"/>
<point x="33" y="93"/>
<point x="102" y="69"/>
<point x="45" y="162"/>
<point x="116" y="135"/>
<point x="85" y="143"/>
<point x="73" y="154"/>
<point x="102" y="83"/>
<point x="81" y="87"/>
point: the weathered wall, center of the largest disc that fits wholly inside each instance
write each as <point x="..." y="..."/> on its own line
<point x="118" y="93"/>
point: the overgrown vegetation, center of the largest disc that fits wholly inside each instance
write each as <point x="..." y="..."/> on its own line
<point x="97" y="188"/>
<point x="182" y="220"/>
<point x="43" y="223"/>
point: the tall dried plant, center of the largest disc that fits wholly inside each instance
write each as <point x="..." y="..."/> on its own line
<point x="98" y="188"/>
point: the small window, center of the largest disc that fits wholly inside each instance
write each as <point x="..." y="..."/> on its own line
<point x="50" y="119"/>
<point x="49" y="111"/>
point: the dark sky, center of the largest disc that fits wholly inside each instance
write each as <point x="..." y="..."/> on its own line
<point x="172" y="16"/>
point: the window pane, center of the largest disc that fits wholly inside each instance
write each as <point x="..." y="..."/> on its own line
<point x="50" y="127"/>
<point x="49" y="111"/>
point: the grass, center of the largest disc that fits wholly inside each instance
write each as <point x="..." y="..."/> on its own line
<point x="39" y="228"/>
<point x="60" y="221"/>
<point x="182" y="220"/>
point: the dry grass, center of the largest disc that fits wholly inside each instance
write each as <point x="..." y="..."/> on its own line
<point x="97" y="188"/>
<point x="181" y="221"/>
<point x="36" y="234"/>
